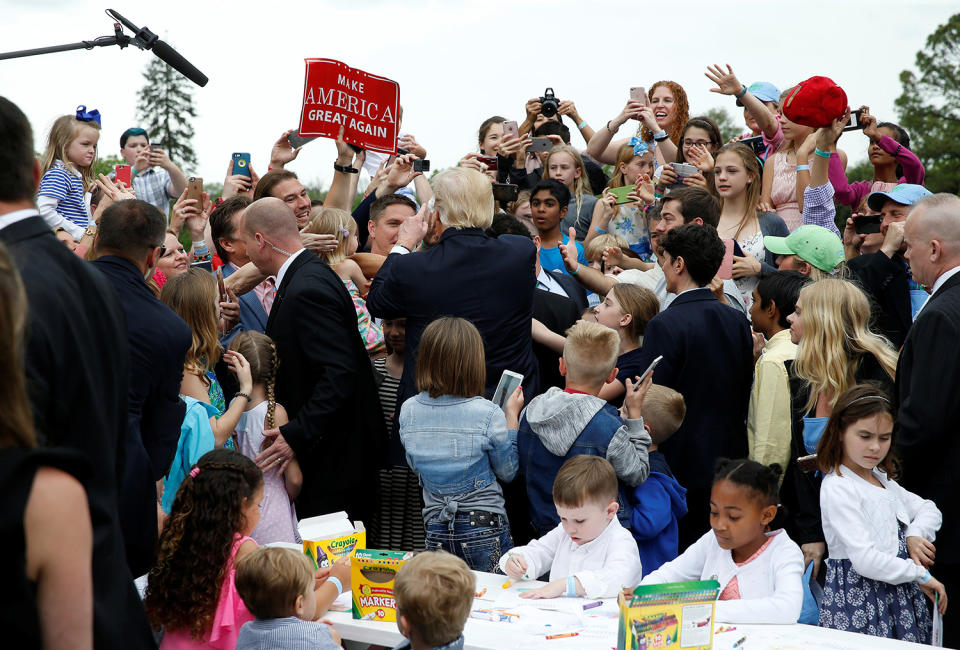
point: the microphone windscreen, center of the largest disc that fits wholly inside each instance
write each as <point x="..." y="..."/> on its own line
<point x="169" y="55"/>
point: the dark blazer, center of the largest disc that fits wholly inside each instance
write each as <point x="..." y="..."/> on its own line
<point x="886" y="282"/>
<point x="252" y="314"/>
<point x="558" y="314"/>
<point x="77" y="369"/>
<point x="928" y="438"/>
<point x="708" y="358"/>
<point x="468" y="274"/>
<point x="325" y="382"/>
<point x="574" y="289"/>
<point x="158" y="340"/>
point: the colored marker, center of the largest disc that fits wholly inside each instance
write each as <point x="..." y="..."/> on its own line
<point x="562" y="636"/>
<point x="480" y="593"/>
<point x="739" y="643"/>
<point x="506" y="585"/>
<point x="592" y="605"/>
<point x="369" y="617"/>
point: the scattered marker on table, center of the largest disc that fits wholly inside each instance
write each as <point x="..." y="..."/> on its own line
<point x="480" y="593"/>
<point x="562" y="636"/>
<point x="592" y="605"/>
<point x="725" y="628"/>
<point x="506" y="585"/>
<point x="740" y="642"/>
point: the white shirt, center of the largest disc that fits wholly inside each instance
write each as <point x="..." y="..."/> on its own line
<point x="771" y="585"/>
<point x="286" y="265"/>
<point x="16" y="216"/>
<point x="861" y="523"/>
<point x="946" y="275"/>
<point x="549" y="283"/>
<point x="602" y="565"/>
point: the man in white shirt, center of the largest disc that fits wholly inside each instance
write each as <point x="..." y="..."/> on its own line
<point x="156" y="179"/>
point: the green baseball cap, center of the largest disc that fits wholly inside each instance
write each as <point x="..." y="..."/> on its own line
<point x="813" y="244"/>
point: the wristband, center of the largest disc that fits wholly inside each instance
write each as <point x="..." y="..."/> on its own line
<point x="822" y="154"/>
<point x="743" y="91"/>
<point x="345" y="169"/>
<point x="200" y="246"/>
<point x="926" y="577"/>
<point x="897" y="152"/>
<point x="576" y="270"/>
<point x="571" y="586"/>
<point x="600" y="230"/>
<point x="611" y="130"/>
<point x="582" y="125"/>
<point x="803" y="168"/>
<point x="336" y="583"/>
<point x="660" y="137"/>
<point x="249" y="399"/>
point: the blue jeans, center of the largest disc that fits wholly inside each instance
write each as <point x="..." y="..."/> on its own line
<point x="479" y="537"/>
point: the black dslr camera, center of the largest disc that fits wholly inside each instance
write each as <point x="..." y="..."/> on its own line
<point x="549" y="104"/>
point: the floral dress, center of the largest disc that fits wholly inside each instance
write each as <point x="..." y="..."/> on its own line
<point x="630" y="222"/>
<point x="217" y="400"/>
<point x="754" y="247"/>
<point x="370" y="332"/>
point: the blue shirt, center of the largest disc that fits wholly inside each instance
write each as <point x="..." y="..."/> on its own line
<point x="67" y="187"/>
<point x="289" y="633"/>
<point x="552" y="260"/>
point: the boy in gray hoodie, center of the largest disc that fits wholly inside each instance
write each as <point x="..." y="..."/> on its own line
<point x="560" y="424"/>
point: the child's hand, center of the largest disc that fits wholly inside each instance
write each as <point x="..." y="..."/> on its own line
<point x="633" y="401"/>
<point x="553" y="589"/>
<point x="514" y="405"/>
<point x="702" y="158"/>
<point x="515" y="566"/>
<point x="921" y="551"/>
<point x="341" y="570"/>
<point x="932" y="588"/>
<point x="241" y="368"/>
<point x="613" y="256"/>
<point x="569" y="252"/>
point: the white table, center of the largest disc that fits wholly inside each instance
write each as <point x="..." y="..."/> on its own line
<point x="484" y="635"/>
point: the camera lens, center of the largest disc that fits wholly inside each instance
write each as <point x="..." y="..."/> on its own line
<point x="549" y="107"/>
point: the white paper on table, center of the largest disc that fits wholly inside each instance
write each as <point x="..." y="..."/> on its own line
<point x="512" y="599"/>
<point x="343" y="603"/>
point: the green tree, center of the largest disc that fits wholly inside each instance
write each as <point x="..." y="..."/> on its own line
<point x="105" y="165"/>
<point x="728" y="125"/>
<point x="164" y="107"/>
<point x="929" y="107"/>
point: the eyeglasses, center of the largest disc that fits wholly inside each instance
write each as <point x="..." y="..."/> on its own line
<point x="163" y="250"/>
<point x="693" y="143"/>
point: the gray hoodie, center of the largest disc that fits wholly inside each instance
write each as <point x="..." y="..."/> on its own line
<point x="557" y="419"/>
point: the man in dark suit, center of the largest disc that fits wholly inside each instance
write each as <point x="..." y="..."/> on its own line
<point x="324" y="379"/>
<point x="157" y="339"/>
<point x="707" y="354"/>
<point x="76" y="373"/>
<point x="465" y="273"/>
<point x="928" y="439"/>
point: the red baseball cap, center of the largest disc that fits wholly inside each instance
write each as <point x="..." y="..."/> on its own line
<point x="816" y="102"/>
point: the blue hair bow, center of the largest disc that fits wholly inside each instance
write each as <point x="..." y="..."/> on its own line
<point x="639" y="146"/>
<point x="88" y="116"/>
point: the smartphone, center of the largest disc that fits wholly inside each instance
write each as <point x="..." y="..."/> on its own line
<point x="510" y="128"/>
<point x="220" y="286"/>
<point x="195" y="189"/>
<point x="867" y="224"/>
<point x="297" y="140"/>
<point x="540" y="144"/>
<point x="489" y="161"/>
<point x="684" y="170"/>
<point x="505" y="192"/>
<point x="122" y="174"/>
<point x="646" y="372"/>
<point x="508" y="383"/>
<point x="854" y="121"/>
<point x="756" y="142"/>
<point x="726" y="265"/>
<point x="639" y="94"/>
<point x="621" y="193"/>
<point x="241" y="164"/>
<point x="807" y="463"/>
<point x="421" y="165"/>
<point x="154" y="146"/>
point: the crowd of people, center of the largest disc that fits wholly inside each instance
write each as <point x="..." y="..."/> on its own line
<point x="713" y="378"/>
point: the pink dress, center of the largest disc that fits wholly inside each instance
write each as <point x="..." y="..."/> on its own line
<point x="230" y="616"/>
<point x="783" y="192"/>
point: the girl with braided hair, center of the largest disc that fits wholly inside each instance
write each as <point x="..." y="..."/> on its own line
<point x="191" y="592"/>
<point x="278" y="517"/>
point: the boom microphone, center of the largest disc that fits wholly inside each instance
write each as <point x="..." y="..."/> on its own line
<point x="147" y="40"/>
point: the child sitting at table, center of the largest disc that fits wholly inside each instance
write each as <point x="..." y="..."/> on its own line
<point x="659" y="501"/>
<point x="434" y="594"/>
<point x="759" y="571"/>
<point x="276" y="585"/>
<point x="589" y="553"/>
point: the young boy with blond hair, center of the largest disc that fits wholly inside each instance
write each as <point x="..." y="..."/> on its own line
<point x="659" y="501"/>
<point x="277" y="586"/>
<point x="434" y="594"/>
<point x="589" y="554"/>
<point x="560" y="424"/>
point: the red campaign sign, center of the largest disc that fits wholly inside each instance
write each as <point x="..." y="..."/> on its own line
<point x="365" y="105"/>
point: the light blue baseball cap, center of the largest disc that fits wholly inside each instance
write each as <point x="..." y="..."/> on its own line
<point x="764" y="91"/>
<point x="904" y="194"/>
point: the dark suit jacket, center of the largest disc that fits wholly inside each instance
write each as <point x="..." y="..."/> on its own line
<point x="574" y="289"/>
<point x="708" y="358"/>
<point x="77" y="369"/>
<point x="467" y="274"/>
<point x="252" y="314"/>
<point x="558" y="314"/>
<point x="928" y="439"/>
<point x="325" y="382"/>
<point x="885" y="281"/>
<point x="158" y="340"/>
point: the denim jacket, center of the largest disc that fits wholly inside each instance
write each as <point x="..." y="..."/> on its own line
<point x="457" y="444"/>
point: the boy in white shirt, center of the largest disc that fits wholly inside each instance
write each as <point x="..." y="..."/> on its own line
<point x="589" y="554"/>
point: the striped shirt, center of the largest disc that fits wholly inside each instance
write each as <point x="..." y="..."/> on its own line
<point x="290" y="633"/>
<point x="65" y="186"/>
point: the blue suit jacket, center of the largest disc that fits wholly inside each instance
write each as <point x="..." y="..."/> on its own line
<point x="574" y="289"/>
<point x="252" y="314"/>
<point x="708" y="358"/>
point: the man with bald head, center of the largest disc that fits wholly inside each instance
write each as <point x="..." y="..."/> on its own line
<point x="928" y="379"/>
<point x="324" y="378"/>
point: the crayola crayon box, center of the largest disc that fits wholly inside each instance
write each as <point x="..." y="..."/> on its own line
<point x="328" y="538"/>
<point x="372" y="574"/>
<point x="668" y="616"/>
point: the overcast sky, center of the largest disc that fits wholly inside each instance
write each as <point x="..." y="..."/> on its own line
<point x="457" y="62"/>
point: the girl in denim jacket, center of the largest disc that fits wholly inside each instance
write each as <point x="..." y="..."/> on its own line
<point x="459" y="444"/>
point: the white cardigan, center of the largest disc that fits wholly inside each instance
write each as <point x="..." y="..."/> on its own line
<point x="771" y="586"/>
<point x="861" y="524"/>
